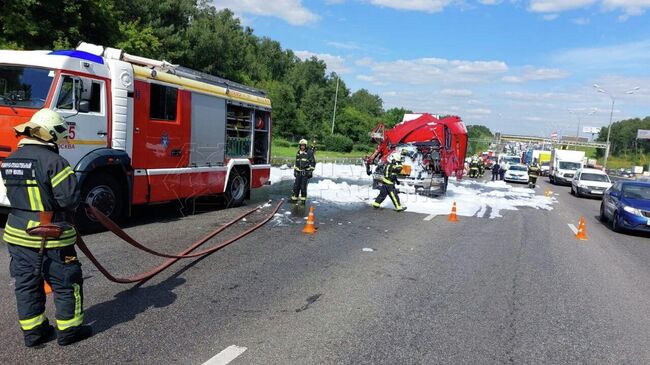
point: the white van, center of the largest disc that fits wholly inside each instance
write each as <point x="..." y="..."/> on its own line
<point x="590" y="182"/>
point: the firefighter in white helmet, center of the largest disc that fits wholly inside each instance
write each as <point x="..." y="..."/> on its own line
<point x="303" y="170"/>
<point x="42" y="189"/>
<point x="387" y="188"/>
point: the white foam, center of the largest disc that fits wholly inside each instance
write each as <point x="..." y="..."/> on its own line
<point x="472" y="198"/>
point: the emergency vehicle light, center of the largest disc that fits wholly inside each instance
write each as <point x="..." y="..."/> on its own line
<point x="79" y="54"/>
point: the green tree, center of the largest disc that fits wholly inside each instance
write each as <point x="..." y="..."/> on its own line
<point x="367" y="103"/>
<point x="393" y="116"/>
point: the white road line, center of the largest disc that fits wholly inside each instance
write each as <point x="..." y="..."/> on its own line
<point x="429" y="217"/>
<point x="229" y="354"/>
<point x="573" y="228"/>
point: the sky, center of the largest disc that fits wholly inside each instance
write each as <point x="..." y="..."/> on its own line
<point x="515" y="66"/>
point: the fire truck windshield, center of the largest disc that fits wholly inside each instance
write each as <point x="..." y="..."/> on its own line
<point x="24" y="87"/>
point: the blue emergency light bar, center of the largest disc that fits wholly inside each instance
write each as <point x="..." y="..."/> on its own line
<point x="79" y="54"/>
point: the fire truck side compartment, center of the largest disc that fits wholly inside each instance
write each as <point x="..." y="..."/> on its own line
<point x="208" y="130"/>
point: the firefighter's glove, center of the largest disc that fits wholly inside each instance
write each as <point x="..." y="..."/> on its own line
<point x="310" y="174"/>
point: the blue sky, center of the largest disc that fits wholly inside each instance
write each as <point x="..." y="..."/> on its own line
<point x="523" y="67"/>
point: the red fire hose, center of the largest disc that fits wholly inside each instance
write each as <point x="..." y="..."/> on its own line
<point x="172" y="258"/>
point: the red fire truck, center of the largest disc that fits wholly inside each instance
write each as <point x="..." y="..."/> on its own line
<point x="142" y="131"/>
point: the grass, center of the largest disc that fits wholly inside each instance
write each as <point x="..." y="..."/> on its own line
<point x="281" y="152"/>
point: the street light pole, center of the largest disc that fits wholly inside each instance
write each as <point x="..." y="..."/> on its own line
<point x="579" y="115"/>
<point x="336" y="97"/>
<point x="611" y="115"/>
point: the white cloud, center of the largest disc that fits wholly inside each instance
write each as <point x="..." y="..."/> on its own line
<point x="629" y="7"/>
<point x="625" y="57"/>
<point x="430" y="70"/>
<point x="489" y="2"/>
<point x="554" y="6"/>
<point x="530" y="73"/>
<point x="580" y="21"/>
<point x="343" y="45"/>
<point x="292" y="11"/>
<point x="429" y="6"/>
<point x="550" y="17"/>
<point x="456" y="92"/>
<point x="334" y="63"/>
<point x="366" y="61"/>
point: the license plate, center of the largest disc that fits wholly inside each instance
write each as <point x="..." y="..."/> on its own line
<point x="596" y="191"/>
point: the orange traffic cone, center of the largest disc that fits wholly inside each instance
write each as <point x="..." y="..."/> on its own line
<point x="582" y="230"/>
<point x="47" y="287"/>
<point x="452" y="216"/>
<point x="309" y="227"/>
<point x="548" y="193"/>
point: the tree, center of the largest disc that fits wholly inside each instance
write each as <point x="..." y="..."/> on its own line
<point x="367" y="103"/>
<point x="393" y="116"/>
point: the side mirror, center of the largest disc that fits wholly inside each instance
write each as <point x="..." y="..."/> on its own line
<point x="84" y="106"/>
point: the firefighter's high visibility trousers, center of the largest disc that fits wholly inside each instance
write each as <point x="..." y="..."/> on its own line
<point x="61" y="268"/>
<point x="390" y="191"/>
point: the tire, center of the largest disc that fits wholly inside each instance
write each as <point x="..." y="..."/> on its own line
<point x="572" y="191"/>
<point x="602" y="216"/>
<point x="614" y="224"/>
<point x="237" y="188"/>
<point x="102" y="191"/>
<point x="551" y="180"/>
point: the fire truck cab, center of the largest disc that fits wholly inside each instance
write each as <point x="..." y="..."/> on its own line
<point x="141" y="131"/>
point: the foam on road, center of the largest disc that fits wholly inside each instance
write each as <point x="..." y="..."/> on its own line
<point x="473" y="198"/>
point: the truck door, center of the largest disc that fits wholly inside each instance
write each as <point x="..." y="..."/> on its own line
<point x="161" y="138"/>
<point x="82" y="101"/>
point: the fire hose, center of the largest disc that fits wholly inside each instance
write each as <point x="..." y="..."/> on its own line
<point x="110" y="225"/>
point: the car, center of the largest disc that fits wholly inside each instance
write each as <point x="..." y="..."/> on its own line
<point x="590" y="182"/>
<point x="516" y="173"/>
<point x="626" y="205"/>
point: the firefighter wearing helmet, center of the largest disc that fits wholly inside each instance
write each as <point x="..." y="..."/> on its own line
<point x="42" y="189"/>
<point x="303" y="170"/>
<point x="389" y="180"/>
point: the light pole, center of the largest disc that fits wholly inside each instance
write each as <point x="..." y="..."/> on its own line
<point x="611" y="114"/>
<point x="336" y="97"/>
<point x="579" y="115"/>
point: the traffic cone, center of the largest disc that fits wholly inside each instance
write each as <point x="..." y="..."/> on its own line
<point x="582" y="230"/>
<point x="548" y="193"/>
<point x="47" y="287"/>
<point x="452" y="216"/>
<point x="309" y="227"/>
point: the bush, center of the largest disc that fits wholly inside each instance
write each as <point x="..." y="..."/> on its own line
<point x="281" y="142"/>
<point x="338" y="143"/>
<point x="362" y="147"/>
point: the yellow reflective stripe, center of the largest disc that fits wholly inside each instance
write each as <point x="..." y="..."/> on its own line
<point x="387" y="181"/>
<point x="34" y="193"/>
<point x="15" y="231"/>
<point x="394" y="199"/>
<point x="31" y="224"/>
<point x="78" y="318"/>
<point x="62" y="175"/>
<point x="21" y="238"/>
<point x="31" y="323"/>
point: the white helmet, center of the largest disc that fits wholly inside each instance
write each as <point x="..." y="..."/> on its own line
<point x="396" y="156"/>
<point x="302" y="141"/>
<point x="46" y="125"/>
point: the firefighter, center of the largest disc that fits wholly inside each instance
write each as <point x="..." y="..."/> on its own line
<point x="389" y="180"/>
<point x="481" y="166"/>
<point x="533" y="173"/>
<point x="42" y="189"/>
<point x="303" y="170"/>
<point x="473" y="167"/>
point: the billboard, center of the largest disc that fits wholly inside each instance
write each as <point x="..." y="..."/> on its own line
<point x="592" y="130"/>
<point x="643" y="134"/>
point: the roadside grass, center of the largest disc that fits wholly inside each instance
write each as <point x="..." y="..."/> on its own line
<point x="283" y="152"/>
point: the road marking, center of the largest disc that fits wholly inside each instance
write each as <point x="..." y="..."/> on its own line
<point x="229" y="354"/>
<point x="573" y="228"/>
<point x="429" y="217"/>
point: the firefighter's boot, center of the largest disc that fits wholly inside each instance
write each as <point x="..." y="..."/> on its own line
<point x="400" y="209"/>
<point x="294" y="199"/>
<point x="40" y="335"/>
<point x="75" y="334"/>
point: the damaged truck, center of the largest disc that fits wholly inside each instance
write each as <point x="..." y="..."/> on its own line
<point x="434" y="146"/>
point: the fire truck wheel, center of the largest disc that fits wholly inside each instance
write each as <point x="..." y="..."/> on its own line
<point x="103" y="192"/>
<point x="237" y="188"/>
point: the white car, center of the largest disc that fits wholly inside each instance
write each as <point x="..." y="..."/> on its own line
<point x="590" y="182"/>
<point x="516" y="173"/>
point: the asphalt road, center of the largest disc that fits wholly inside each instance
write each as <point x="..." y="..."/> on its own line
<point x="517" y="289"/>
